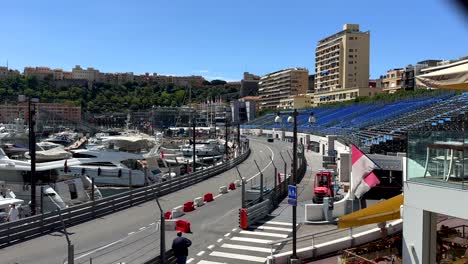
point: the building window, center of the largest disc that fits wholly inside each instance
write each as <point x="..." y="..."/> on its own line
<point x="350" y="50"/>
<point x="350" y="62"/>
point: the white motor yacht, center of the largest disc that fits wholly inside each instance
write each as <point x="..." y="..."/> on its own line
<point x="52" y="181"/>
<point x="114" y="168"/>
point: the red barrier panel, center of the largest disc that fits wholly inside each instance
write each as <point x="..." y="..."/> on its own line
<point x="243" y="218"/>
<point x="183" y="226"/>
<point x="167" y="215"/>
<point x="188" y="206"/>
<point x="232" y="186"/>
<point x="208" y="197"/>
<point x="279" y="178"/>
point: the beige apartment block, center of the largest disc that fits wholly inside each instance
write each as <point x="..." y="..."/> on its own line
<point x="280" y="85"/>
<point x="342" y="62"/>
<point x="344" y="95"/>
<point x="89" y="74"/>
<point x="393" y="80"/>
<point x="297" y="102"/>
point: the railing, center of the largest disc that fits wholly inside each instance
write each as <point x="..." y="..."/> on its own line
<point x="262" y="206"/>
<point x="48" y="222"/>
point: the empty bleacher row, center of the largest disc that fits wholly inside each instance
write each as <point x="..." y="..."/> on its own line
<point x="373" y="124"/>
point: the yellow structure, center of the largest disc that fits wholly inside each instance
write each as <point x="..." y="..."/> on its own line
<point x="377" y="213"/>
<point x="342" y="63"/>
<point x="280" y="85"/>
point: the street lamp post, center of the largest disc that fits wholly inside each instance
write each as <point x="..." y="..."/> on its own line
<point x="293" y="119"/>
<point x="193" y="138"/>
<point x="226" y="138"/>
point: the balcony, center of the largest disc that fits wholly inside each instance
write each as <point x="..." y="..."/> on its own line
<point x="438" y="158"/>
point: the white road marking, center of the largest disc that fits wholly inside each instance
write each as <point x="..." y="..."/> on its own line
<point x="142" y="228"/>
<point x="200" y="253"/>
<point x="228" y="234"/>
<point x="101" y="248"/>
<point x="237" y="256"/>
<point x="219" y="240"/>
<point x="211" y="247"/>
<point x="217" y="196"/>
<point x="209" y="262"/>
<point x="272" y="157"/>
<point x="248" y="248"/>
<point x="131" y="233"/>
<point x="190" y="260"/>
<point x="273" y="228"/>
<point x="153" y="223"/>
<point x="253" y="240"/>
<point x="276" y="223"/>
<point x="263" y="234"/>
<point x="234" y="230"/>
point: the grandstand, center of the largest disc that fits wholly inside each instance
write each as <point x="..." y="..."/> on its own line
<point x="380" y="126"/>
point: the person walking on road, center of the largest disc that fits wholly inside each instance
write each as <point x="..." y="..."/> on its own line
<point x="180" y="247"/>
<point x="13" y="214"/>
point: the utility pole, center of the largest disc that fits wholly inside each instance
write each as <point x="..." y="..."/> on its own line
<point x="226" y="138"/>
<point x="261" y="180"/>
<point x="162" y="247"/>
<point x="194" y="138"/>
<point x="32" y="153"/>
<point x="243" y="187"/>
<point x="294" y="178"/>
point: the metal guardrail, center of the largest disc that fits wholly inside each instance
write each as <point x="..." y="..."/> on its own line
<point x="260" y="208"/>
<point x="34" y="226"/>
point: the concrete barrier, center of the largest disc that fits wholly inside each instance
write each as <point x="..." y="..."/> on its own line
<point x="208" y="197"/>
<point x="237" y="183"/>
<point x="198" y="201"/>
<point x="178" y="211"/>
<point x="314" y="212"/>
<point x="223" y="189"/>
<point x="232" y="186"/>
<point x="170" y="224"/>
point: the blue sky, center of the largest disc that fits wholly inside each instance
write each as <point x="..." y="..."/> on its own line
<point x="221" y="38"/>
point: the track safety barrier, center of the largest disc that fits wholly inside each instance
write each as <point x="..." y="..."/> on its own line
<point x="41" y="224"/>
<point x="167" y="215"/>
<point x="188" y="207"/>
<point x="183" y="226"/>
<point x="232" y="186"/>
<point x="258" y="209"/>
<point x="208" y="197"/>
<point x="178" y="211"/>
<point x="223" y="189"/>
<point x="198" y="202"/>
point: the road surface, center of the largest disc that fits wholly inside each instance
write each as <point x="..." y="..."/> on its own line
<point x="132" y="235"/>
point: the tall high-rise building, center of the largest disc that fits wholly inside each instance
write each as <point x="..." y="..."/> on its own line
<point x="342" y="66"/>
<point x="280" y="85"/>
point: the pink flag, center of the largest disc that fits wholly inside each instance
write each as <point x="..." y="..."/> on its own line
<point x="366" y="184"/>
<point x="162" y="154"/>
<point x="362" y="166"/>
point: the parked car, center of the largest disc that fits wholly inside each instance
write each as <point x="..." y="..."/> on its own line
<point x="270" y="139"/>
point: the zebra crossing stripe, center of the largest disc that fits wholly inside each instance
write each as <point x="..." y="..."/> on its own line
<point x="252" y="240"/>
<point x="237" y="256"/>
<point x="273" y="228"/>
<point x="263" y="234"/>
<point x="248" y="248"/>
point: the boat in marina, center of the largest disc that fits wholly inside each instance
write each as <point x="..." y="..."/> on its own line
<point x="114" y="168"/>
<point x="53" y="181"/>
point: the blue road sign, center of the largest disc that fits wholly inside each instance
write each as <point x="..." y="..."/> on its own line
<point x="292" y="202"/>
<point x="292" y="192"/>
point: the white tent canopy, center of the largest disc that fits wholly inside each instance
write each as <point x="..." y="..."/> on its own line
<point x="455" y="77"/>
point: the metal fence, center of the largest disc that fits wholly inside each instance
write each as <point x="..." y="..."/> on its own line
<point x="261" y="207"/>
<point x="34" y="226"/>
